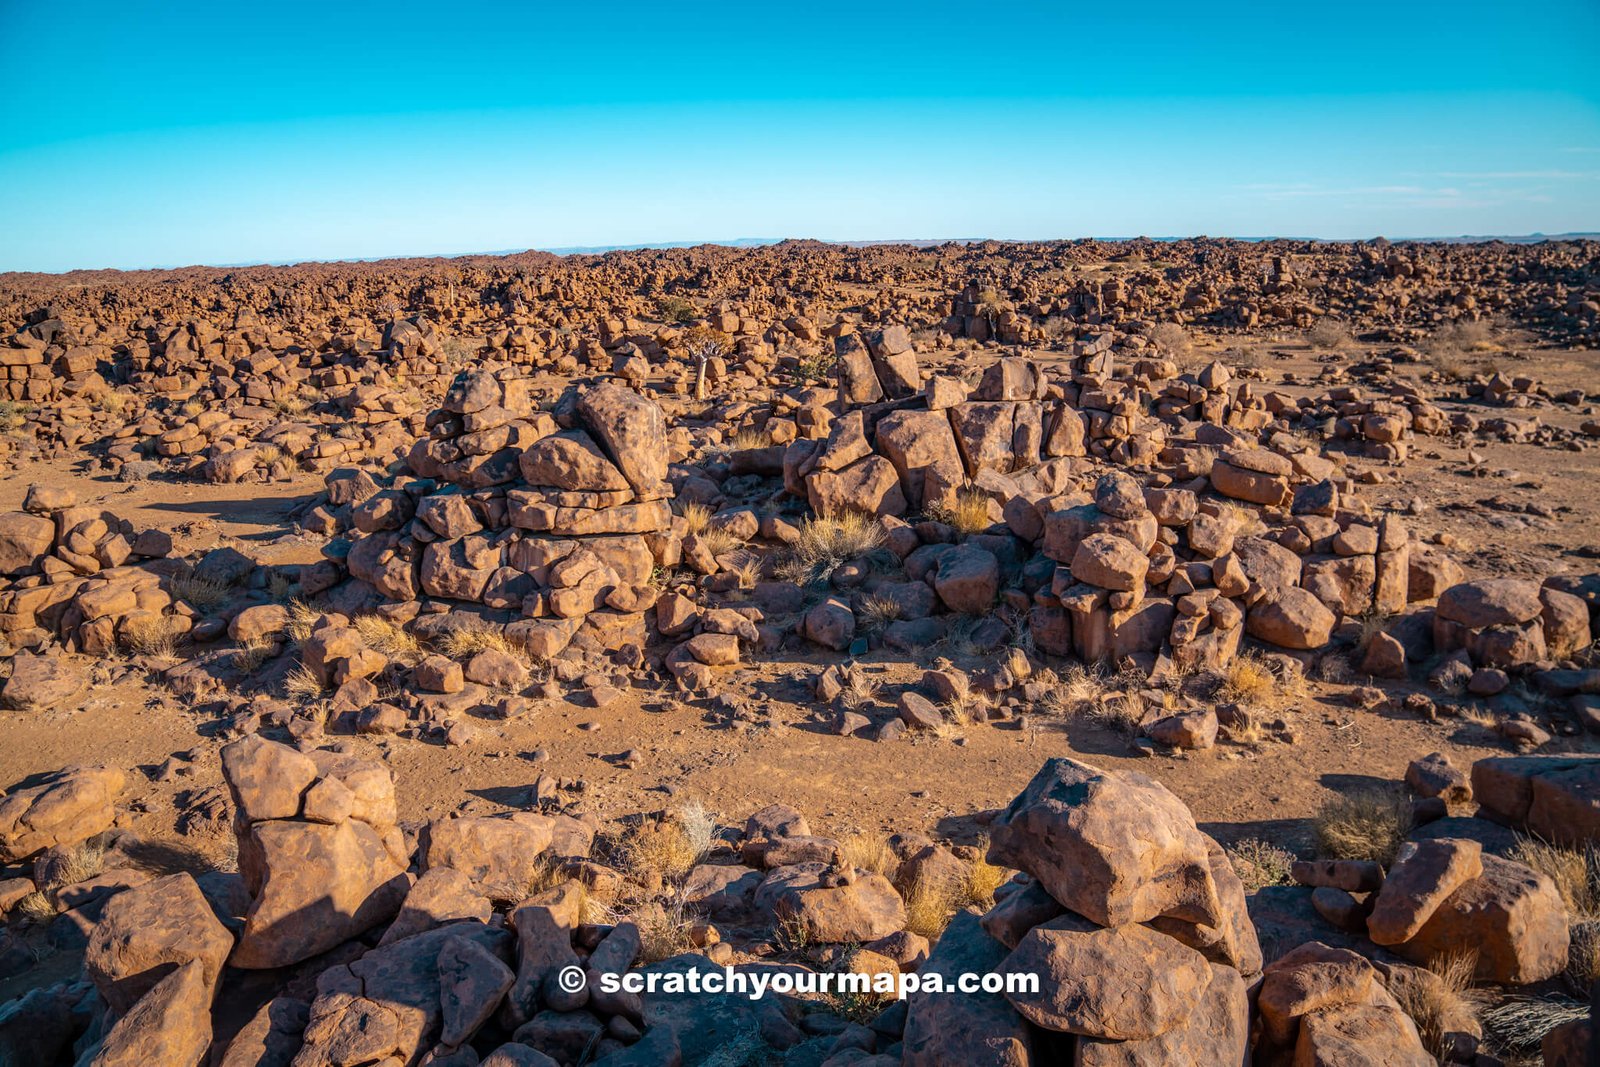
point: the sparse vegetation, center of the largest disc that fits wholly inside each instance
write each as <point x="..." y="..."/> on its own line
<point x="303" y="618"/>
<point x="300" y="683"/>
<point x="1364" y="825"/>
<point x="1517" y="1024"/>
<point x="463" y="642"/>
<point x="870" y="852"/>
<point x="826" y="542"/>
<point x="389" y="637"/>
<point x="1248" y="680"/>
<point x="1328" y="333"/>
<point x="1575" y="872"/>
<point x="202" y="594"/>
<point x="1260" y="863"/>
<point x="1436" y="998"/>
<point x="251" y="654"/>
<point x="675" y="309"/>
<point x="878" y="611"/>
<point x="152" y="635"/>
<point x="1172" y="341"/>
<point x="968" y="513"/>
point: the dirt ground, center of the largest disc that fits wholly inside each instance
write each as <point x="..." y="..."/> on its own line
<point x="651" y="749"/>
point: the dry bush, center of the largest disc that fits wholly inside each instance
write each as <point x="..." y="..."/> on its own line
<point x="718" y="540"/>
<point x="1248" y="680"/>
<point x="389" y="637"/>
<point x="1466" y="335"/>
<point x="1575" y="872"/>
<point x="1260" y="863"/>
<point x="1171" y="340"/>
<point x="870" y="852"/>
<point x="1364" y="825"/>
<point x="292" y="406"/>
<point x="860" y="688"/>
<point x="202" y="594"/>
<point x="1517" y="1024"/>
<point x="748" y="572"/>
<point x="750" y="438"/>
<point x="1436" y="1000"/>
<point x="1328" y="332"/>
<point x="695" y="518"/>
<point x="822" y="544"/>
<point x="876" y="611"/>
<point x="251" y="654"/>
<point x="968" y="514"/>
<point x="664" y="931"/>
<point x="303" y="618"/>
<point x="301" y="683"/>
<point x="152" y="635"/>
<point x="267" y="455"/>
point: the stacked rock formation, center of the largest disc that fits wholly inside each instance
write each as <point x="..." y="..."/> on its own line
<point x="1131" y="919"/>
<point x="551" y="521"/>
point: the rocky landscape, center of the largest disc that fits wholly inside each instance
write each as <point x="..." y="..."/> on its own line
<point x="1207" y="628"/>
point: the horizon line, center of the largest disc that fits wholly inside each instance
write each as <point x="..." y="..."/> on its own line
<point x="564" y="251"/>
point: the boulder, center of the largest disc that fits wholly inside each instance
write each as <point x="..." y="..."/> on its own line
<point x="1116" y="848"/>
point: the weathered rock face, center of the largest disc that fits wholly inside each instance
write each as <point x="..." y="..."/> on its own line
<point x="1121" y="984"/>
<point x="1555" y="797"/>
<point x="171" y="1024"/>
<point x="68" y="807"/>
<point x="832" y="905"/>
<point x="1115" y="848"/>
<point x="319" y="872"/>
<point x="150" y="931"/>
<point x="1512" y="916"/>
<point x="982" y="1030"/>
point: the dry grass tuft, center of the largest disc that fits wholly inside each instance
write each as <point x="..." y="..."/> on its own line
<point x="1583" y="958"/>
<point x="1364" y="825"/>
<point x="983" y="877"/>
<point x="389" y="637"/>
<point x="695" y="518"/>
<point x="1328" y="333"/>
<point x="1575" y="872"/>
<point x="152" y="635"/>
<point x="1123" y="712"/>
<point x="251" y="654"/>
<point x="301" y="683"/>
<point x="824" y="543"/>
<point x="202" y="594"/>
<point x="860" y="688"/>
<point x="929" y="906"/>
<point x="36" y="907"/>
<point x="1070" y="691"/>
<point x="870" y="852"/>
<point x="1260" y="863"/>
<point x="750" y="438"/>
<point x="968" y="514"/>
<point x="1436" y="999"/>
<point x="78" y="863"/>
<point x="1248" y="680"/>
<point x="467" y="641"/>
<point x="303" y="618"/>
<point x="670" y="847"/>
<point x="878" y="611"/>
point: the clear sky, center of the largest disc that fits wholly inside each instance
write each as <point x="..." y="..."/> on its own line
<point x="136" y="133"/>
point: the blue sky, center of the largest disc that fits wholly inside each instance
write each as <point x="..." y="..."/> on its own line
<point x="141" y="134"/>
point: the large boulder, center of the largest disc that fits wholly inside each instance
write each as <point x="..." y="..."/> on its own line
<point x="1491" y="602"/>
<point x="1511" y="916"/>
<point x="66" y="808"/>
<point x="320" y="885"/>
<point x="1116" y="848"/>
<point x="1293" y="618"/>
<point x="149" y="931"/>
<point x="830" y="904"/>
<point x="1124" y="983"/>
<point x="633" y="433"/>
<point x="972" y="1030"/>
